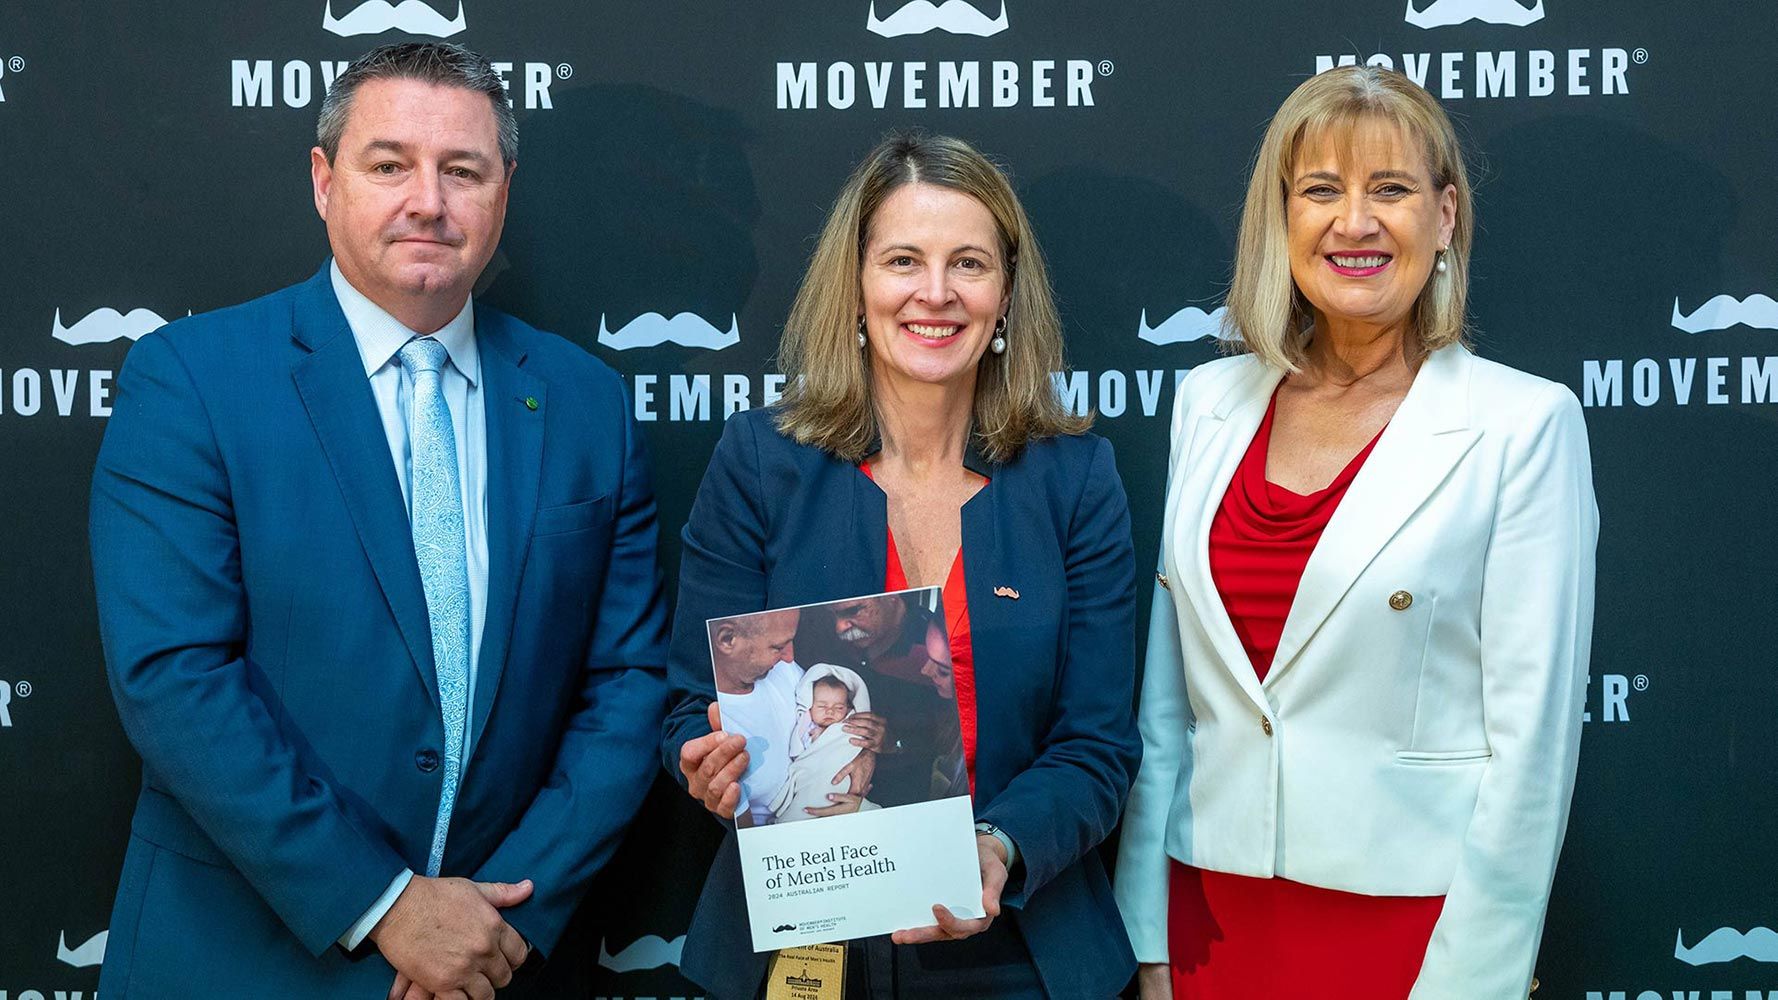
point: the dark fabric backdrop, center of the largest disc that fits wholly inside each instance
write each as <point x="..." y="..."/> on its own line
<point x="677" y="157"/>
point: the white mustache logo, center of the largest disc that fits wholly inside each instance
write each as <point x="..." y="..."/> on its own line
<point x="104" y="325"/>
<point x="378" y="16"/>
<point x="1725" y="944"/>
<point x="1441" y="13"/>
<point x="89" y="954"/>
<point x="1184" y="326"/>
<point x="1724" y="311"/>
<point x="920" y="16"/>
<point x="646" y="952"/>
<point x="651" y="329"/>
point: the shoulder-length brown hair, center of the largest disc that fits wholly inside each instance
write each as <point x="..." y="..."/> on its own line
<point x="1266" y="312"/>
<point x="829" y="402"/>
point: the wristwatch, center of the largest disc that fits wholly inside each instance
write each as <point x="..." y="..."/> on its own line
<point x="1012" y="850"/>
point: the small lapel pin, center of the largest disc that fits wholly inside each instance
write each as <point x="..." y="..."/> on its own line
<point x="530" y="402"/>
<point x="1006" y="592"/>
<point x="1161" y="578"/>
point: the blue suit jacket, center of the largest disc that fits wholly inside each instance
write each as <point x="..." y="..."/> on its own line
<point x="267" y="644"/>
<point x="780" y="524"/>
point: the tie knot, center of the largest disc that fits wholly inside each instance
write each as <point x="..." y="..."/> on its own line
<point x="422" y="354"/>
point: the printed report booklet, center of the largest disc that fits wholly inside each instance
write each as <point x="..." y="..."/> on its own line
<point x="855" y="815"/>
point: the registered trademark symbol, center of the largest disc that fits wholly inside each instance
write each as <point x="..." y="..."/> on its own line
<point x="1641" y="682"/>
<point x="22" y="689"/>
<point x="1640" y="56"/>
<point x="1106" y="68"/>
<point x="564" y="71"/>
<point x="16" y="63"/>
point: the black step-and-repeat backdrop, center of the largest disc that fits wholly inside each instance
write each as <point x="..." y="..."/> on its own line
<point x="677" y="157"/>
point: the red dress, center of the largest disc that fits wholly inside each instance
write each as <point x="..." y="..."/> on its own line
<point x="1232" y="937"/>
<point x="957" y="630"/>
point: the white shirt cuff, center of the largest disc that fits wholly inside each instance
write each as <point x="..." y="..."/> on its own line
<point x="356" y="934"/>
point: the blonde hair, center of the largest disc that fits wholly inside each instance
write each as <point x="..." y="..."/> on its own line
<point x="829" y="401"/>
<point x="1266" y="312"/>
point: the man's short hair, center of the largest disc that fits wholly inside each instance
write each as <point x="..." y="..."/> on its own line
<point x="745" y="626"/>
<point x="441" y="63"/>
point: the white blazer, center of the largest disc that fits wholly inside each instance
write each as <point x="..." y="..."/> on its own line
<point x="1419" y="728"/>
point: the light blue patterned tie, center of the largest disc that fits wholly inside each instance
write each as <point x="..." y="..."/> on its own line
<point x="439" y="547"/>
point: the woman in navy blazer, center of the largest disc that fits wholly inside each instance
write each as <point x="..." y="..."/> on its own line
<point x="924" y="335"/>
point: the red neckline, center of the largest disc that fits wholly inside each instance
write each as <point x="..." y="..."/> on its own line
<point x="1263" y="441"/>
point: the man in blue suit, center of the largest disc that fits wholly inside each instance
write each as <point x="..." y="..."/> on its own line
<point x="378" y="592"/>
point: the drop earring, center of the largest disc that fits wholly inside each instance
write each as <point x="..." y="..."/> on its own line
<point x="861" y="330"/>
<point x="1441" y="267"/>
<point x="998" y="344"/>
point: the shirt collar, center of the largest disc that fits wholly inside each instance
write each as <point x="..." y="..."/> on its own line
<point x="380" y="335"/>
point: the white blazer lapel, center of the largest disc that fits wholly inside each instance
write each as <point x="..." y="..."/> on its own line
<point x="1425" y="439"/>
<point x="1220" y="438"/>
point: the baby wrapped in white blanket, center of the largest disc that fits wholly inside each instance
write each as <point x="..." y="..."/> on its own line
<point x="819" y="743"/>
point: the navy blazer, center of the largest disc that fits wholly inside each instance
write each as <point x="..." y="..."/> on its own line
<point x="268" y="646"/>
<point x="779" y="524"/>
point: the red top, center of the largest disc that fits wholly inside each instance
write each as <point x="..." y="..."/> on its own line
<point x="1232" y="937"/>
<point x="956" y="602"/>
<point x="1260" y="542"/>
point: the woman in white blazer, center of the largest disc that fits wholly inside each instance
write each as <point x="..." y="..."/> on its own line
<point x="1361" y="712"/>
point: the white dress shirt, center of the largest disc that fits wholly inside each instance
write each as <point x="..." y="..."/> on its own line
<point x="765" y="716"/>
<point x="380" y="336"/>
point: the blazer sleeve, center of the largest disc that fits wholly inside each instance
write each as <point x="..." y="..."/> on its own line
<point x="1163" y="715"/>
<point x="721" y="572"/>
<point x="1068" y="800"/>
<point x="173" y="621"/>
<point x="1142" y="870"/>
<point x="1536" y="639"/>
<point x="605" y="762"/>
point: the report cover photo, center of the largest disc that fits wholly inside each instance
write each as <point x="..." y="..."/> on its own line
<point x="855" y="816"/>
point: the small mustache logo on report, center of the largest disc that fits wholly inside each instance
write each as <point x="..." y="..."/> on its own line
<point x="1443" y="13"/>
<point x="89" y="954"/>
<point x="1724" y="311"/>
<point x="646" y="952"/>
<point x="920" y="16"/>
<point x="1725" y="944"/>
<point x="651" y="329"/>
<point x="1184" y="326"/>
<point x="377" y="16"/>
<point x="104" y="325"/>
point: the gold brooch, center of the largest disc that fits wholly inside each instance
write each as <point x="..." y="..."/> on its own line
<point x="1006" y="592"/>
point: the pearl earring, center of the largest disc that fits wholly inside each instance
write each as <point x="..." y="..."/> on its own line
<point x="1441" y="266"/>
<point x="998" y="344"/>
<point x="861" y="330"/>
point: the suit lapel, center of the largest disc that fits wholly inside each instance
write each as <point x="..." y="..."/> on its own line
<point x="1218" y="443"/>
<point x="867" y="553"/>
<point x="1424" y="441"/>
<point x="514" y="471"/>
<point x="987" y="550"/>
<point x="337" y="395"/>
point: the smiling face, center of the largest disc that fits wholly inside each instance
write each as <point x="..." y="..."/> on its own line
<point x="933" y="285"/>
<point x="1365" y="224"/>
<point x="415" y="197"/>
